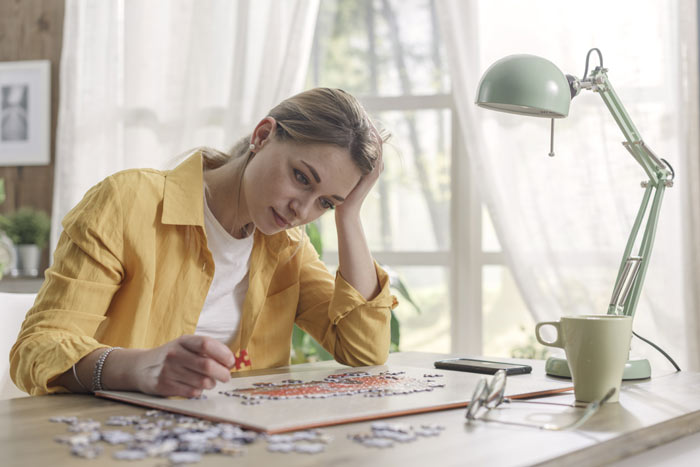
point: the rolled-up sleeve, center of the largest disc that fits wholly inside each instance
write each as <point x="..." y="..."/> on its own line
<point x="75" y="296"/>
<point x="354" y="330"/>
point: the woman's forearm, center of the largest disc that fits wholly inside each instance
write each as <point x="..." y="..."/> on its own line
<point x="182" y="367"/>
<point x="356" y="264"/>
<point x="115" y="372"/>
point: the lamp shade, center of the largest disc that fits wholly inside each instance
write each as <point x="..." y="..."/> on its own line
<point x="525" y="85"/>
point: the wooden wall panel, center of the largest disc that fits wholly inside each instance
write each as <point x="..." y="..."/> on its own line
<point x="32" y="30"/>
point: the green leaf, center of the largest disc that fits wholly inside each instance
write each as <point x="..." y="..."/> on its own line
<point x="395" y="331"/>
<point x="300" y="351"/>
<point x="305" y="348"/>
<point x="27" y="226"/>
<point x="315" y="237"/>
<point x="297" y="337"/>
<point x="321" y="353"/>
<point x="403" y="290"/>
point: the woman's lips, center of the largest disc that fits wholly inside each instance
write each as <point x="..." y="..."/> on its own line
<point x="281" y="221"/>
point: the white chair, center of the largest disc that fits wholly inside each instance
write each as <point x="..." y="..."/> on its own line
<point x="13" y="308"/>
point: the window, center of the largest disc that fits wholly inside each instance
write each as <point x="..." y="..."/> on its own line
<point x="424" y="222"/>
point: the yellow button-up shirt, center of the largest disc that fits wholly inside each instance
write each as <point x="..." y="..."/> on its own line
<point x="132" y="269"/>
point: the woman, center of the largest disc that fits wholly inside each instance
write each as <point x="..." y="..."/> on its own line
<point x="165" y="282"/>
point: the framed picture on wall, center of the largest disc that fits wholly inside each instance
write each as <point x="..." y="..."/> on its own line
<point x="25" y="113"/>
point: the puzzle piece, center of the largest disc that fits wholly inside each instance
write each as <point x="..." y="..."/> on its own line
<point x="242" y="359"/>
<point x="129" y="455"/>
<point x="385" y="434"/>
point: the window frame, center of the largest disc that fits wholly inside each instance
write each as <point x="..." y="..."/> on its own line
<point x="465" y="258"/>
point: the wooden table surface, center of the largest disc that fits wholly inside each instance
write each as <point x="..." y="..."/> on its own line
<point x="650" y="413"/>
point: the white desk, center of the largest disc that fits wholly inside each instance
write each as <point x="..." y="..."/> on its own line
<point x="650" y="413"/>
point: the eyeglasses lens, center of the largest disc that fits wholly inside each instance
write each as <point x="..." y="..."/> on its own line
<point x="477" y="399"/>
<point x="496" y="390"/>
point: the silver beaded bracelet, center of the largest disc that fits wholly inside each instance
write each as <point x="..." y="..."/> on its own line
<point x="75" y="374"/>
<point x="97" y="373"/>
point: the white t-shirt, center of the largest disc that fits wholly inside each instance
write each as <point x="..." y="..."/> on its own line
<point x="222" y="307"/>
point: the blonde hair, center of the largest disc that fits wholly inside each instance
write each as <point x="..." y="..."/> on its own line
<point x="318" y="116"/>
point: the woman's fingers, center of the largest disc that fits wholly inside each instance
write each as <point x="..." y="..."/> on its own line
<point x="165" y="378"/>
<point x="181" y="374"/>
<point x="358" y="194"/>
<point x="187" y="362"/>
<point x="208" y="347"/>
<point x="184" y="367"/>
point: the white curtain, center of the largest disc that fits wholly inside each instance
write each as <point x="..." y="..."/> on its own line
<point x="563" y="222"/>
<point x="141" y="82"/>
<point x="690" y="169"/>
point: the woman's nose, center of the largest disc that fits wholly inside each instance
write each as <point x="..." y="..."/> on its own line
<point x="301" y="207"/>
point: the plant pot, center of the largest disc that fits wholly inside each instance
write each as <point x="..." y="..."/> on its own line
<point x="8" y="255"/>
<point x="28" y="260"/>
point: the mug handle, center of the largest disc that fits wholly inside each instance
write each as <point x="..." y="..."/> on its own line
<point x="555" y="343"/>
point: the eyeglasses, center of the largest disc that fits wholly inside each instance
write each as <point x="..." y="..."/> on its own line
<point x="491" y="394"/>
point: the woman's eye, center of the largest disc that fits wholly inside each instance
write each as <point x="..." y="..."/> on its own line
<point x="327" y="204"/>
<point x="301" y="178"/>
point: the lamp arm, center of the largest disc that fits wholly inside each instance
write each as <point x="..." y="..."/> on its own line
<point x="660" y="177"/>
<point x="645" y="251"/>
<point x="655" y="169"/>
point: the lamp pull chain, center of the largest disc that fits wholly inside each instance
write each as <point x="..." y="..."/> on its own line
<point x="551" y="141"/>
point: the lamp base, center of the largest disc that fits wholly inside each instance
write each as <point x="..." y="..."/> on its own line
<point x="634" y="369"/>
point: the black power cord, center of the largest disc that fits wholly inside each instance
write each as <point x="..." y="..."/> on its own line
<point x="588" y="56"/>
<point x="673" y="172"/>
<point x="659" y="349"/>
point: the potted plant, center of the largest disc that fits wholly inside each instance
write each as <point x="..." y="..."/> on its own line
<point x="6" y="250"/>
<point x="29" y="231"/>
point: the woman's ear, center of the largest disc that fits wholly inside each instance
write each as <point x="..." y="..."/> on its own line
<point x="264" y="131"/>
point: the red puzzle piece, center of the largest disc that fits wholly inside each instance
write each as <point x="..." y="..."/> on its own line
<point x="242" y="359"/>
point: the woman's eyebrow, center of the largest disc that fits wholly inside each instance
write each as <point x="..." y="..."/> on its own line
<point x="313" y="172"/>
<point x="318" y="179"/>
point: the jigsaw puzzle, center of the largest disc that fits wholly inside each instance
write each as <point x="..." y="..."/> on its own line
<point x="301" y="400"/>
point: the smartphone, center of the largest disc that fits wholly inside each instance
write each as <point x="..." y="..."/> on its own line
<point x="482" y="366"/>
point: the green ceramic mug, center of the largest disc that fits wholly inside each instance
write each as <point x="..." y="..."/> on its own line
<point x="597" y="348"/>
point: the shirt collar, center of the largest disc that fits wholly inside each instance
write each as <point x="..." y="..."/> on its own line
<point x="183" y="197"/>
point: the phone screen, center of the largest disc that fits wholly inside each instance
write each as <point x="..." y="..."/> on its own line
<point x="482" y="366"/>
<point x="487" y="364"/>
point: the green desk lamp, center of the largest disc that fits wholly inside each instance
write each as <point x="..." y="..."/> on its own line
<point x="534" y="86"/>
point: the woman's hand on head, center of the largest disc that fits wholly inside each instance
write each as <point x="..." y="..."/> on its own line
<point x="353" y="202"/>
<point x="183" y="367"/>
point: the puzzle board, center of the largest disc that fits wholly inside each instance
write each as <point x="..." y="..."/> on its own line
<point x="309" y="399"/>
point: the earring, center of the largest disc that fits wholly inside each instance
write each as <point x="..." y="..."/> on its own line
<point x="251" y="147"/>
